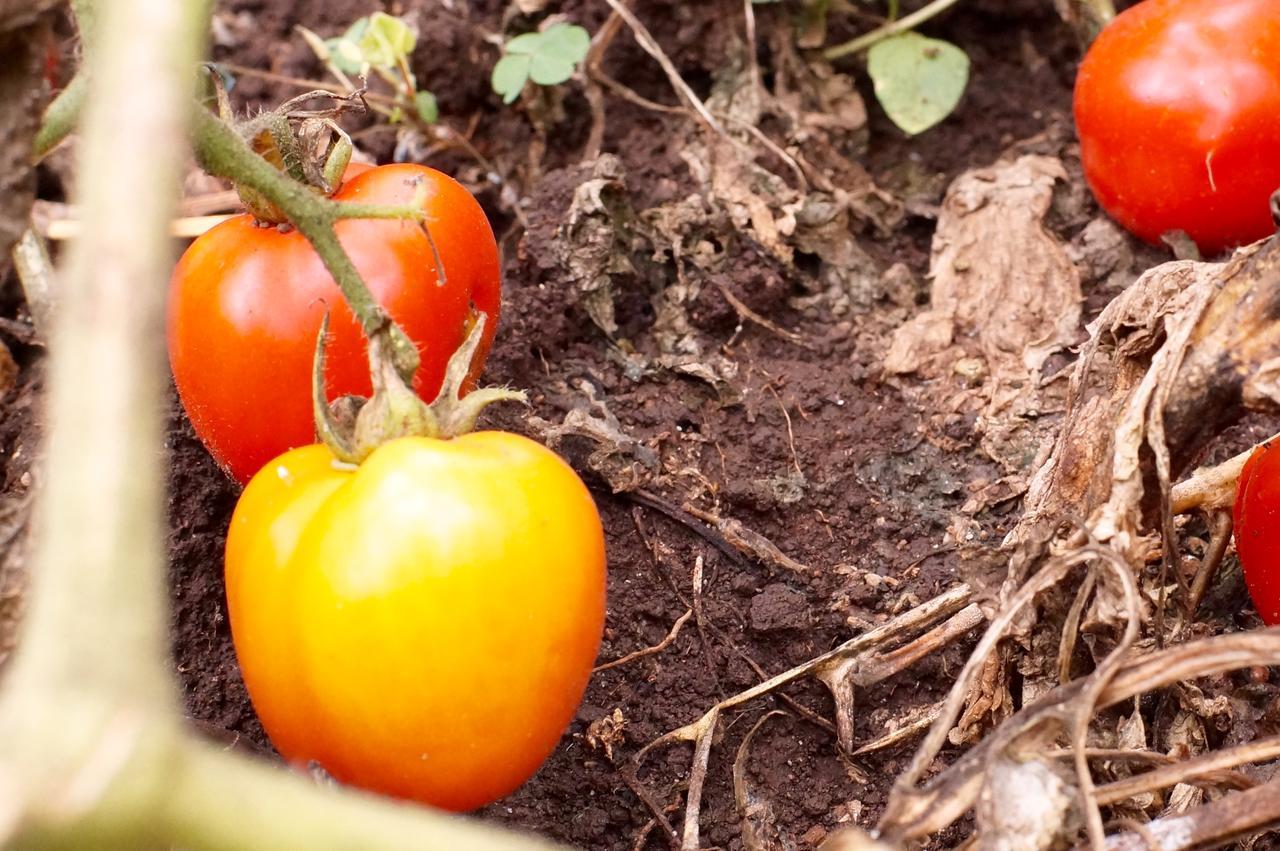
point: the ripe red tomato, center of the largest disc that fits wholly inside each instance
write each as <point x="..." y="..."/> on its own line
<point x="245" y="305"/>
<point x="1257" y="529"/>
<point x="423" y="625"/>
<point x="1177" y="104"/>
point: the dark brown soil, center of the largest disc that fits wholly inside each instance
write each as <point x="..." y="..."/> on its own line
<point x="822" y="456"/>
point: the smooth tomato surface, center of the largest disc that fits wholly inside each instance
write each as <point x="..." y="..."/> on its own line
<point x="1177" y="104"/>
<point x="1257" y="529"/>
<point x="423" y="626"/>
<point x="245" y="305"/>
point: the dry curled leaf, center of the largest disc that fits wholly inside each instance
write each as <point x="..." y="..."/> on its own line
<point x="623" y="461"/>
<point x="606" y="733"/>
<point x="1005" y="297"/>
<point x="593" y="243"/>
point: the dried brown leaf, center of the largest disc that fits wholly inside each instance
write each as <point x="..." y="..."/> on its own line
<point x="1005" y="296"/>
<point x="593" y="242"/>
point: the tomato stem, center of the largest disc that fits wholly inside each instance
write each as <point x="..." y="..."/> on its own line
<point x="222" y="152"/>
<point x="395" y="410"/>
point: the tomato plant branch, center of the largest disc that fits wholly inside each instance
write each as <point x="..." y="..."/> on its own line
<point x="223" y="153"/>
<point x="94" y="754"/>
<point x="888" y="30"/>
<point x="90" y="671"/>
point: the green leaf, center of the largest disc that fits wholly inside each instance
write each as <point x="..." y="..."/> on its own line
<point x="546" y="70"/>
<point x="918" y="80"/>
<point x="527" y="44"/>
<point x="428" y="109"/>
<point x="510" y="75"/>
<point x="567" y="42"/>
<point x="387" y="40"/>
<point x="356" y="31"/>
<point x="346" y="55"/>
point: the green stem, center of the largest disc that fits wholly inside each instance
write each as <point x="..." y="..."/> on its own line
<point x="888" y="30"/>
<point x="223" y="153"/>
<point x="61" y="116"/>
<point x="223" y="802"/>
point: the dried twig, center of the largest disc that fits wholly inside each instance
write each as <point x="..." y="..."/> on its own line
<point x="649" y="651"/>
<point x="952" y="604"/>
<point x="1211" y="488"/>
<point x="1220" y="524"/>
<point x="758" y="828"/>
<point x="1209" y="765"/>
<point x="915" y="813"/>
<point x="747" y="541"/>
<point x="1210" y="825"/>
<point x="651" y="46"/>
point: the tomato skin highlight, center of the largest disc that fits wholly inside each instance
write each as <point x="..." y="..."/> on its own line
<point x="1256" y="516"/>
<point x="245" y="306"/>
<point x="423" y="626"/>
<point x="1177" y="106"/>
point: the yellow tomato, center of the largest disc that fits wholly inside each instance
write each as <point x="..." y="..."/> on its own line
<point x="423" y="625"/>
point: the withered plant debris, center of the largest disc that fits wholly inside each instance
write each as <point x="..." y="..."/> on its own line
<point x="1005" y="296"/>
<point x="1164" y="371"/>
<point x="861" y="661"/>
<point x="1083" y="612"/>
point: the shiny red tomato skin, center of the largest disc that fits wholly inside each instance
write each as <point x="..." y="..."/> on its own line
<point x="1257" y="529"/>
<point x="245" y="305"/>
<point x="1177" y="105"/>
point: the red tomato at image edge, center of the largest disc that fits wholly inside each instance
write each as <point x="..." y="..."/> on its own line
<point x="245" y="306"/>
<point x="1257" y="529"/>
<point x="1177" y="105"/>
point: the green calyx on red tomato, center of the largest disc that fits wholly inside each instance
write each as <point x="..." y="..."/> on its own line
<point x="1177" y="105"/>
<point x="246" y="303"/>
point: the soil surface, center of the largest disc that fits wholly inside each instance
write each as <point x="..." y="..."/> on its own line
<point x="806" y="442"/>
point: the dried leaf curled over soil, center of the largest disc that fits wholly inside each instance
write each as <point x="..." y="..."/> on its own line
<point x="593" y="243"/>
<point x="1005" y="296"/>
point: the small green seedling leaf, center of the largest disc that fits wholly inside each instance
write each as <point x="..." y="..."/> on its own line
<point x="546" y="70"/>
<point x="548" y="58"/>
<point x="386" y="41"/>
<point x="343" y="52"/>
<point x="526" y="44"/>
<point x="510" y="75"/>
<point x="567" y="42"/>
<point x="918" y="80"/>
<point x="428" y="109"/>
<point x="345" y="56"/>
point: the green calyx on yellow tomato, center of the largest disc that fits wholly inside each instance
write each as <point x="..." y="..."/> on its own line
<point x="416" y="607"/>
<point x="423" y="625"/>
